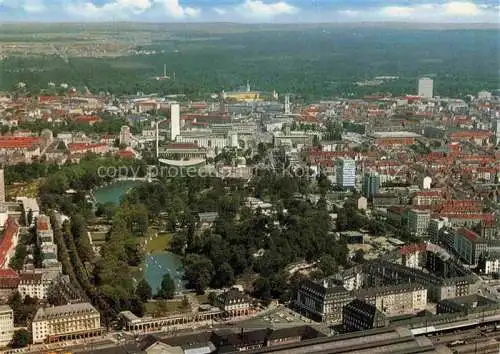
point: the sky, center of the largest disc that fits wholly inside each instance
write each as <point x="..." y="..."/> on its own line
<point x="254" y="11"/>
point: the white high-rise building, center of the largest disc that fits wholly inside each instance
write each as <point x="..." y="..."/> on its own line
<point x="345" y="171"/>
<point x="175" y="121"/>
<point x="496" y="130"/>
<point x="425" y="87"/>
<point x="125" y="135"/>
<point x="6" y="325"/>
<point x="2" y="187"/>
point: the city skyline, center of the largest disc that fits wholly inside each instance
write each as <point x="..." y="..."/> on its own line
<point x="249" y="11"/>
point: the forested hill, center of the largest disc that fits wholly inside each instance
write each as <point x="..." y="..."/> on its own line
<point x="312" y="61"/>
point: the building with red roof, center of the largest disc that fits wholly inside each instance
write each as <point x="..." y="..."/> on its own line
<point x="128" y="153"/>
<point x="26" y="147"/>
<point x="9" y="281"/>
<point x="479" y="137"/>
<point x="83" y="148"/>
<point x="90" y="120"/>
<point x="8" y="242"/>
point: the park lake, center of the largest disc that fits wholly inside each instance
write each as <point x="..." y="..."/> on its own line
<point x="157" y="262"/>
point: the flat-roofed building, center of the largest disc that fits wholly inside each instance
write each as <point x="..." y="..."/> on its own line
<point x="6" y="325"/>
<point x="72" y="321"/>
<point x="425" y="87"/>
<point x="418" y="222"/>
<point x="345" y="172"/>
<point x="468" y="245"/>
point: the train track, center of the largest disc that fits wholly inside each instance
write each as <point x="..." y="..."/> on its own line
<point x="475" y="340"/>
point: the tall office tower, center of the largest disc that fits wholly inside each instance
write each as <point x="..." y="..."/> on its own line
<point x="287" y="104"/>
<point x="346" y="173"/>
<point x="425" y="87"/>
<point x="125" y="135"/>
<point x="175" y="121"/>
<point x="2" y="188"/>
<point x="371" y="184"/>
<point x="496" y="129"/>
<point x="157" y="135"/>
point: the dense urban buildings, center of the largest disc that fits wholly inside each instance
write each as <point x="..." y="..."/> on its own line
<point x="290" y="218"/>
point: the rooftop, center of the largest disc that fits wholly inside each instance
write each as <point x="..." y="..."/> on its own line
<point x="63" y="311"/>
<point x="5" y="308"/>
<point x="400" y="134"/>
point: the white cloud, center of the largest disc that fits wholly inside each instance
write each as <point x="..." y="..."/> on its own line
<point x="140" y="5"/>
<point x="124" y="9"/>
<point x="432" y="12"/>
<point x="34" y="6"/>
<point x="397" y="11"/>
<point x="220" y="11"/>
<point x="461" y="8"/>
<point x="349" y="13"/>
<point x="174" y="9"/>
<point x="258" y="8"/>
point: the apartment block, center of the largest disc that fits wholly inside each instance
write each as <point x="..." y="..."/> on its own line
<point x="6" y="325"/>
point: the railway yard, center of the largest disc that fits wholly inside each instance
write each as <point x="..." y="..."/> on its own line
<point x="483" y="339"/>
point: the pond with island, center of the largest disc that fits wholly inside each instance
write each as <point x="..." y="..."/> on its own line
<point x="156" y="264"/>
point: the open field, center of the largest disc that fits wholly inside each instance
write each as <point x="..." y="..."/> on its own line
<point x="25" y="189"/>
<point x="159" y="243"/>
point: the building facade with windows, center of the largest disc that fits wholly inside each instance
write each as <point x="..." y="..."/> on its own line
<point x="418" y="222"/>
<point x="71" y="321"/>
<point x="345" y="172"/>
<point x="6" y="325"/>
<point x="322" y="301"/>
<point x="358" y="315"/>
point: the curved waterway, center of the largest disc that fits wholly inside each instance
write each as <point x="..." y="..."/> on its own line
<point x="113" y="192"/>
<point x="156" y="265"/>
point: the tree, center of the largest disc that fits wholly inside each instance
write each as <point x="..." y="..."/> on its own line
<point x="21" y="338"/>
<point x="224" y="276"/>
<point x="198" y="272"/>
<point x="29" y="218"/>
<point x="167" y="289"/>
<point x="262" y="288"/>
<point x="212" y="296"/>
<point x="359" y="256"/>
<point x="328" y="265"/>
<point x="143" y="291"/>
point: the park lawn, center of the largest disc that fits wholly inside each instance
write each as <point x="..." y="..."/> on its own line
<point x="170" y="306"/>
<point x="159" y="243"/>
<point x="29" y="189"/>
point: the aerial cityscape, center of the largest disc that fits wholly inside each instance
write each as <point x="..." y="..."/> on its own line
<point x="251" y="177"/>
